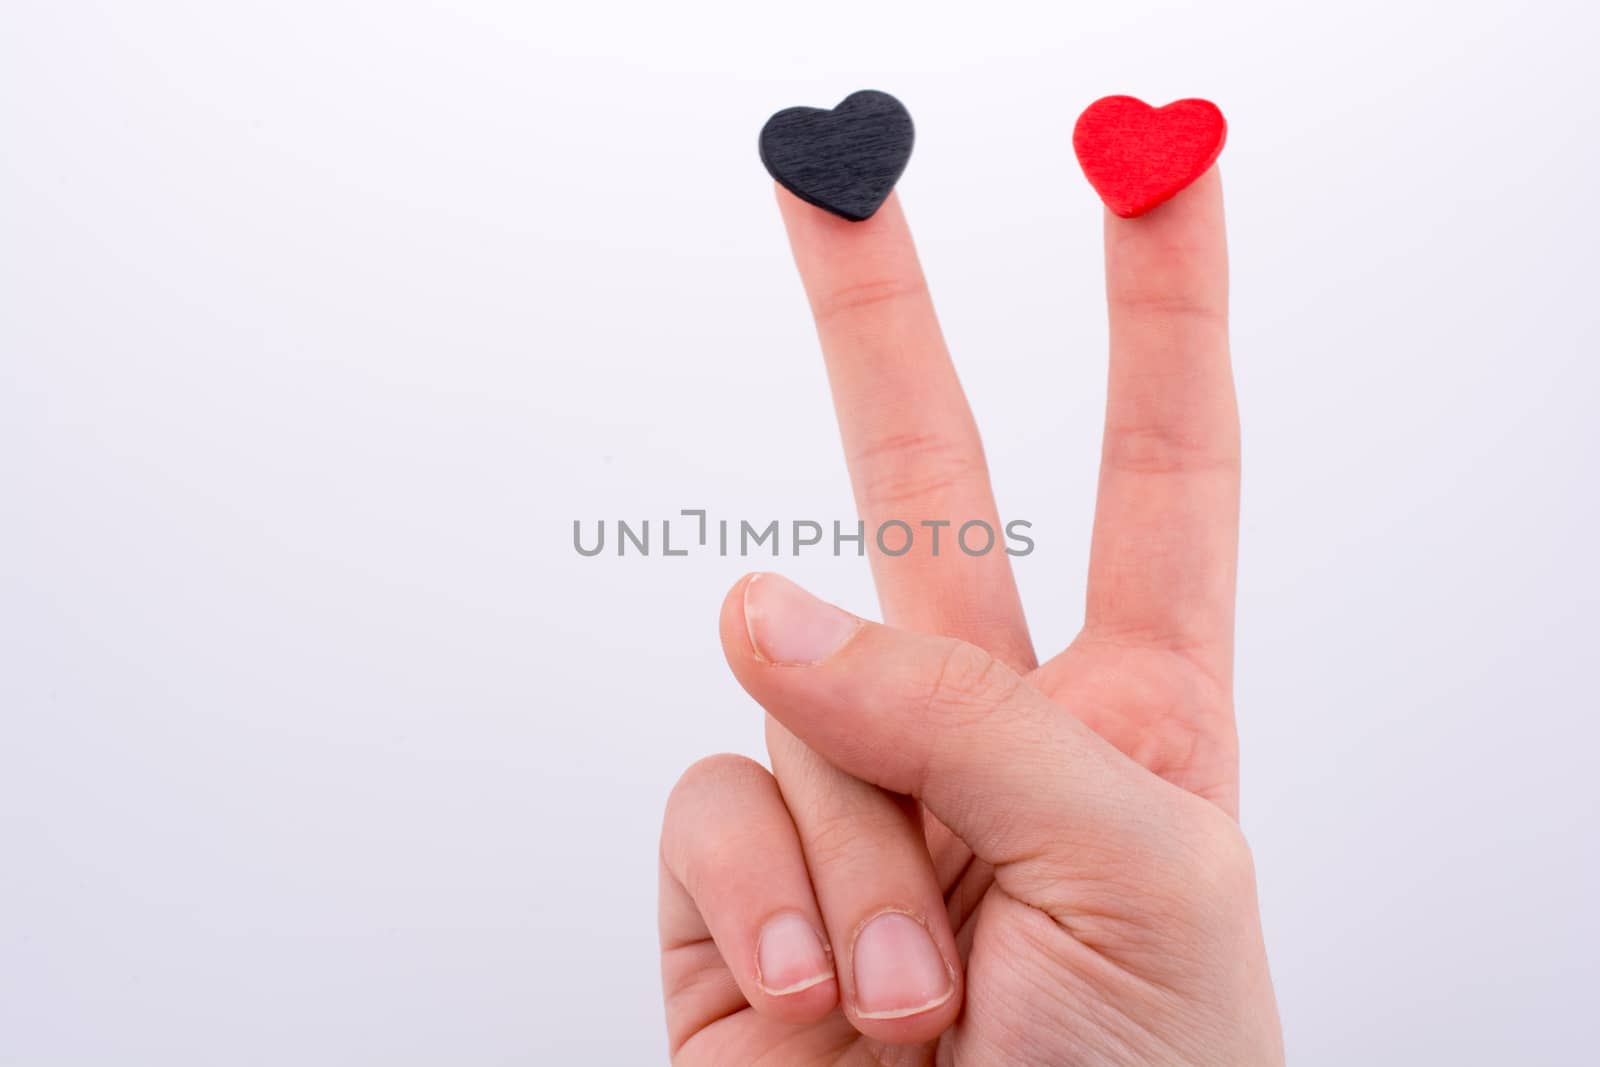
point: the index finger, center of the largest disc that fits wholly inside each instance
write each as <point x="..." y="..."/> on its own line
<point x="1166" y="527"/>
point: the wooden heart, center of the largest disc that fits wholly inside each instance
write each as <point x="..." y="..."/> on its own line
<point x="845" y="160"/>
<point x="1138" y="157"/>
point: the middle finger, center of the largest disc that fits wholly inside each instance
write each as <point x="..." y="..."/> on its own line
<point x="910" y="440"/>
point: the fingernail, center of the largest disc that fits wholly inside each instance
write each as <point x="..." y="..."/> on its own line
<point x="790" y="955"/>
<point x="898" y="969"/>
<point x="789" y="625"/>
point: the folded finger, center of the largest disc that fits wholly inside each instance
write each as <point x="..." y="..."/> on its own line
<point x="739" y="923"/>
<point x="879" y="895"/>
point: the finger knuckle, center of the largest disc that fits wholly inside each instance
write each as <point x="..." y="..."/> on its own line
<point x="904" y="467"/>
<point x="706" y="783"/>
<point x="830" y="841"/>
<point x="1222" y="865"/>
<point x="725" y="768"/>
<point x="1162" y="299"/>
<point x="970" y="686"/>
<point x="722" y="782"/>
<point x="850" y="302"/>
<point x="1159" y="448"/>
<point x="1206" y="867"/>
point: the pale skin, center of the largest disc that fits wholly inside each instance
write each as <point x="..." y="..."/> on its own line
<point x="962" y="855"/>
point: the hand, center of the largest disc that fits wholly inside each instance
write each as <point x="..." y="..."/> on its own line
<point x="1069" y="884"/>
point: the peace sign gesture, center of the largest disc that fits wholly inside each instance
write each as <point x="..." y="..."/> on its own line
<point x="1072" y="886"/>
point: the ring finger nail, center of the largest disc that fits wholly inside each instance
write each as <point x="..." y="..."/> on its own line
<point x="898" y="969"/>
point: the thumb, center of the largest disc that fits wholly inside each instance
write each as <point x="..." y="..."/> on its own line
<point x="1000" y="764"/>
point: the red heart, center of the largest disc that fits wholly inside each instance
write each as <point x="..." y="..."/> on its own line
<point x="1137" y="156"/>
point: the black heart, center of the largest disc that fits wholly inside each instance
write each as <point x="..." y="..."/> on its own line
<point x="846" y="160"/>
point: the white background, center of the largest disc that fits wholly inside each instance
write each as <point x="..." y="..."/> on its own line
<point x="321" y="322"/>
